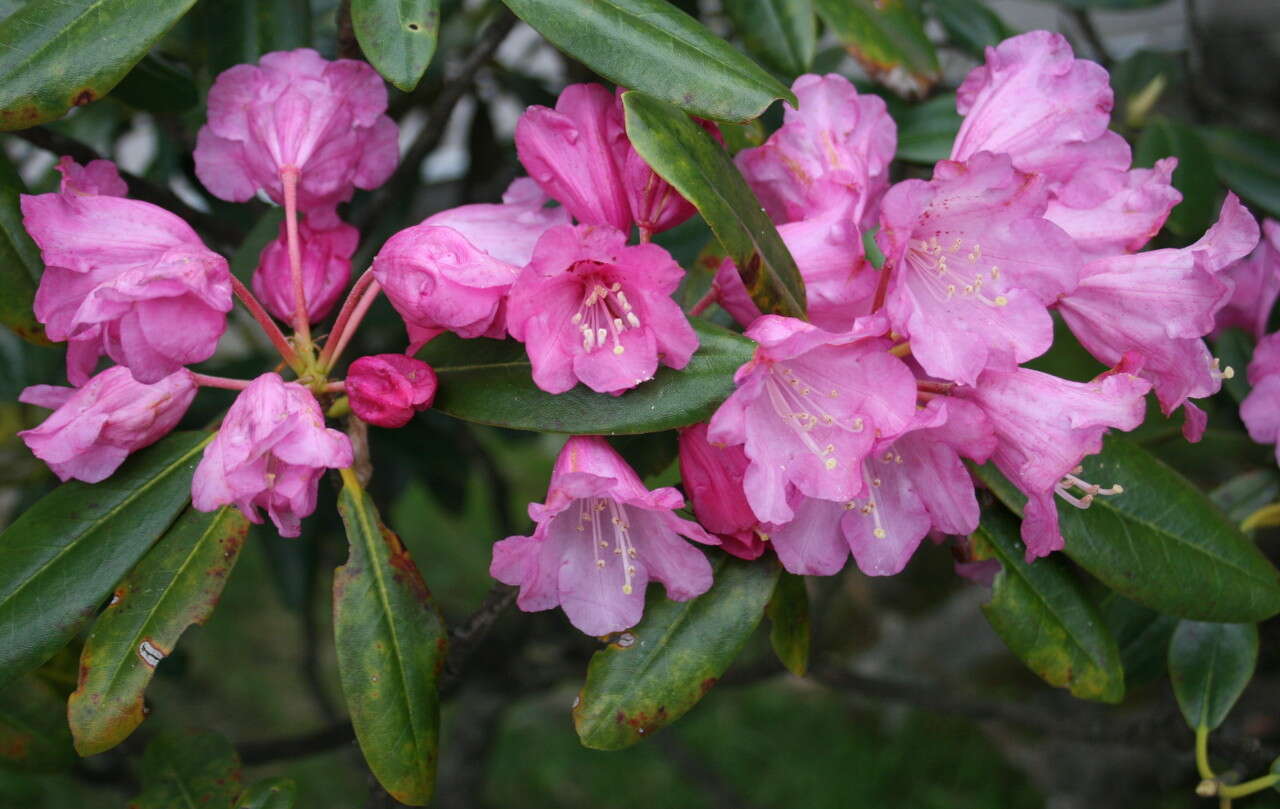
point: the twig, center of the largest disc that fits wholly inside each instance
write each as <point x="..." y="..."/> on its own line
<point x="464" y="638"/>
<point x="307" y="744"/>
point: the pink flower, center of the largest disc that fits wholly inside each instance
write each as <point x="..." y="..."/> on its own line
<point x="326" y="269"/>
<point x="712" y="476"/>
<point x="974" y="266"/>
<point x="296" y="109"/>
<point x="452" y="271"/>
<point x="591" y="309"/>
<point x="126" y="279"/>
<point x="1260" y="410"/>
<point x="94" y="428"/>
<point x="1109" y="212"/>
<point x="1044" y="427"/>
<point x="387" y="389"/>
<point x="98" y="177"/>
<point x="912" y="484"/>
<point x="1159" y="304"/>
<point x="808" y="409"/>
<point x="601" y="537"/>
<point x="1257" y="285"/>
<point x="574" y="153"/>
<point x="269" y="453"/>
<point x="832" y="152"/>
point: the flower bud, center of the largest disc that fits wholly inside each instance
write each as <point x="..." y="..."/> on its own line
<point x="326" y="269"/>
<point x="713" y="480"/>
<point x="386" y="389"/>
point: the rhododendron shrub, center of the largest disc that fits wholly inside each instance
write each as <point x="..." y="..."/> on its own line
<point x="647" y="362"/>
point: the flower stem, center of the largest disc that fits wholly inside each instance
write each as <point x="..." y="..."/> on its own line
<point x="339" y="386"/>
<point x="301" y="323"/>
<point x="1202" y="753"/>
<point x="226" y="383"/>
<point x="882" y="288"/>
<point x="264" y="320"/>
<point x="1248" y="787"/>
<point x="344" y="315"/>
<point x="704" y="303"/>
<point x="353" y="322"/>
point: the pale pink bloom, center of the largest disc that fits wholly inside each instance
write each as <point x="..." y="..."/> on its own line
<point x="269" y="453"/>
<point x="98" y="177"/>
<point x="712" y="476"/>
<point x="1109" y="212"/>
<point x="95" y="427"/>
<point x="591" y="309"/>
<point x="601" y="537"/>
<point x="1257" y="285"/>
<point x="452" y="271"/>
<point x="387" y="389"/>
<point x="831" y="153"/>
<point x="126" y="279"/>
<point x="1045" y="426"/>
<point x="1260" y="410"/>
<point x="809" y="408"/>
<point x="326" y="268"/>
<point x="297" y="109"/>
<point x="974" y="266"/>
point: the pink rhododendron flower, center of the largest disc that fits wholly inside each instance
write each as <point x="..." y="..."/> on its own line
<point x="94" y="428"/>
<point x="601" y="537"/>
<point x="1261" y="408"/>
<point x="387" y="389"/>
<point x="326" y="269"/>
<point x="832" y="152"/>
<point x="98" y="177"/>
<point x="973" y="265"/>
<point x="712" y="477"/>
<point x="809" y="408"/>
<point x="1257" y="285"/>
<point x="269" y="453"/>
<point x="126" y="279"/>
<point x="591" y="309"/>
<point x="295" y="109"/>
<point x="1159" y="304"/>
<point x="1109" y="212"/>
<point x="1044" y="427"/>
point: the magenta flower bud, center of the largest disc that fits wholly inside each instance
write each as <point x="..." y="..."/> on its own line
<point x="712" y="478"/>
<point x="94" y="428"/>
<point x="269" y="453"/>
<point x="387" y="389"/>
<point x="98" y="177"/>
<point x="326" y="269"/>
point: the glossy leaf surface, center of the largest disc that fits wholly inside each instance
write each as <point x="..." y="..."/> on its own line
<point x="398" y="37"/>
<point x="1210" y="665"/>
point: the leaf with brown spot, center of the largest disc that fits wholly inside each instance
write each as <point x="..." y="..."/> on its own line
<point x="398" y="37"/>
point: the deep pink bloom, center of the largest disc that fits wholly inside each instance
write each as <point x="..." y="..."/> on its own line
<point x="452" y="271"/>
<point x="974" y="265"/>
<point x="808" y="409"/>
<point x="601" y="536"/>
<point x="712" y="476"/>
<point x="1108" y="211"/>
<point x="574" y="153"/>
<point x="591" y="309"/>
<point x="387" y="389"/>
<point x="1044" y="427"/>
<point x="654" y="204"/>
<point x="269" y="453"/>
<point x="1257" y="285"/>
<point x="1159" y="304"/>
<point x="98" y="177"/>
<point x="297" y="109"/>
<point x="833" y="152"/>
<point x="126" y="279"/>
<point x="95" y="427"/>
<point x="1260" y="410"/>
<point x="326" y="269"/>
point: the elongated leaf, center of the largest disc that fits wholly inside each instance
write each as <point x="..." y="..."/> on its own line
<point x="651" y="675"/>
<point x="687" y="157"/>
<point x="398" y="37"/>
<point x="189" y="770"/>
<point x="1162" y="543"/>
<point x="274" y="793"/>
<point x="64" y="555"/>
<point x="488" y="381"/>
<point x="971" y="24"/>
<point x="33" y="727"/>
<point x="1248" y="164"/>
<point x="790" y="630"/>
<point x="175" y="585"/>
<point x="926" y="131"/>
<point x="157" y="86"/>
<point x="783" y="33"/>
<point x="54" y="57"/>
<point x="619" y="39"/>
<point x="391" y="643"/>
<point x="1045" y="619"/>
<point x="1209" y="665"/>
<point x="887" y="38"/>
<point x="239" y="31"/>
<point x="1142" y="635"/>
<point x="1193" y="177"/>
<point x="20" y="264"/>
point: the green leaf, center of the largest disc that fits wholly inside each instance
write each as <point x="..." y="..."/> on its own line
<point x="273" y="793"/>
<point x="1142" y="635"/>
<point x="1193" y="177"/>
<point x="789" y="631"/>
<point x="489" y="382"/>
<point x="189" y="770"/>
<point x="175" y="585"/>
<point x="651" y="675"/>
<point x="33" y="727"/>
<point x="238" y="31"/>
<point x="1162" y="542"/>
<point x="620" y="39"/>
<point x="782" y="33"/>
<point x="157" y="86"/>
<point x="20" y="262"/>
<point x="686" y="156"/>
<point x="1044" y="617"/>
<point x="1209" y="665"/>
<point x="1248" y="164"/>
<point x="1235" y="349"/>
<point x="971" y="24"/>
<point x="926" y="131"/>
<point x="887" y="38"/>
<point x="391" y="643"/>
<point x="56" y="54"/>
<point x="398" y="37"/>
<point x="64" y="555"/>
